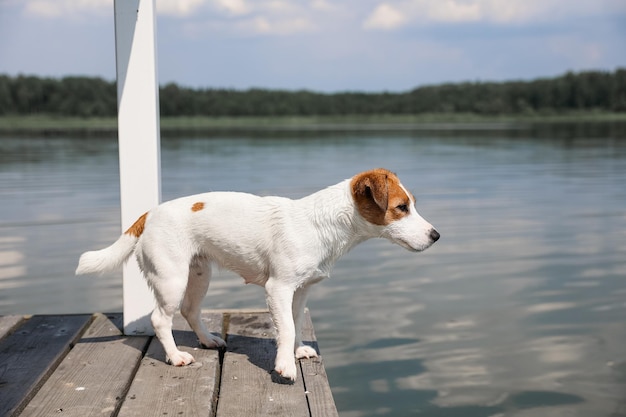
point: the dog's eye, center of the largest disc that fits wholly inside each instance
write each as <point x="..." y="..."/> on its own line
<point x="403" y="208"/>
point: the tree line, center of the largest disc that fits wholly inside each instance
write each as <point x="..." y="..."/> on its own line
<point x="95" y="97"/>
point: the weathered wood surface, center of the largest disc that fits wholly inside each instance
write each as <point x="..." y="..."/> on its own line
<point x="317" y="389"/>
<point x="31" y="353"/>
<point x="8" y="323"/>
<point x="86" y="383"/>
<point x="82" y="365"/>
<point x="247" y="368"/>
<point x="190" y="391"/>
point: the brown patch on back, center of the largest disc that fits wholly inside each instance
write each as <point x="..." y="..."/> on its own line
<point x="378" y="196"/>
<point x="137" y="228"/>
<point x="197" y="206"/>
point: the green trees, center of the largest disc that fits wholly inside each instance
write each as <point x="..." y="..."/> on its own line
<point x="95" y="97"/>
<point x="69" y="96"/>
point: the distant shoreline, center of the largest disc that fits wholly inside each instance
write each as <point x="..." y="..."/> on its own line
<point x="58" y="125"/>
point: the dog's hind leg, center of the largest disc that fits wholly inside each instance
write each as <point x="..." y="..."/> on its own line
<point x="197" y="286"/>
<point x="168" y="293"/>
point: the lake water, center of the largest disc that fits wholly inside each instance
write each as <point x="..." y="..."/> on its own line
<point x="519" y="309"/>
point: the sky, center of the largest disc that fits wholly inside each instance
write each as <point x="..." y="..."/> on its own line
<point x="324" y="45"/>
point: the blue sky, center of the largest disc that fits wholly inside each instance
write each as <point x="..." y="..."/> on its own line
<point x="324" y="45"/>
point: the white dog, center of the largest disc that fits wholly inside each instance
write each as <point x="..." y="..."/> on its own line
<point x="284" y="245"/>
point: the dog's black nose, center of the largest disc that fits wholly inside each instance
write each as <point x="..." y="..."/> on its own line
<point x="434" y="235"/>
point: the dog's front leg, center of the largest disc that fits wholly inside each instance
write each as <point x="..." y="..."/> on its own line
<point x="280" y="300"/>
<point x="299" y="304"/>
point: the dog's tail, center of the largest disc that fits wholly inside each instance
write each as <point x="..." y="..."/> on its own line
<point x="112" y="257"/>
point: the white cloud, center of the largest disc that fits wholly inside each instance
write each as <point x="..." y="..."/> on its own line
<point x="454" y="11"/>
<point x="385" y="16"/>
<point x="388" y="14"/>
<point x="394" y="14"/>
<point x="59" y="9"/>
<point x="234" y="7"/>
<point x="323" y="5"/>
<point x="242" y="18"/>
<point x="179" y="8"/>
<point x="262" y="25"/>
<point x="258" y="17"/>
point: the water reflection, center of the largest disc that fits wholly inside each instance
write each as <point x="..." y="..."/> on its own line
<point x="518" y="309"/>
<point x="11" y="262"/>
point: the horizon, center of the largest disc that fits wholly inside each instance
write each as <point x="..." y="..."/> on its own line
<point x="409" y="90"/>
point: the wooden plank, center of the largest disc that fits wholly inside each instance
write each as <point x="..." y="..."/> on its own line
<point x="319" y="395"/>
<point x="247" y="388"/>
<point x="30" y="354"/>
<point x="94" y="376"/>
<point x="8" y="323"/>
<point x="160" y="389"/>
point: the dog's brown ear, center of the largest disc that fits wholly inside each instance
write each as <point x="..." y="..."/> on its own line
<point x="370" y="191"/>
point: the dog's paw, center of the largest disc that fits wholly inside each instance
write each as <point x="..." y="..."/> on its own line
<point x="286" y="369"/>
<point x="180" y="358"/>
<point x="305" y="351"/>
<point x="212" y="342"/>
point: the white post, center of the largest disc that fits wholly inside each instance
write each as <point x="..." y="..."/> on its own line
<point x="139" y="140"/>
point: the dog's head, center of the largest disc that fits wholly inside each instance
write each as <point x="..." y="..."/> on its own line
<point x="383" y="201"/>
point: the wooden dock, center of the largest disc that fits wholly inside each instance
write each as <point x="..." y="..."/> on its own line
<point x="82" y="365"/>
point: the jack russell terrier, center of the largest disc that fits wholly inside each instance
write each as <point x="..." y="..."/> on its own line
<point x="282" y="244"/>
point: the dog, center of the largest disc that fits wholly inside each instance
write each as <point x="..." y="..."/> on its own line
<point x="282" y="244"/>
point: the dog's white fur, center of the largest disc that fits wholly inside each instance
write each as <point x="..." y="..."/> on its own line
<point x="284" y="245"/>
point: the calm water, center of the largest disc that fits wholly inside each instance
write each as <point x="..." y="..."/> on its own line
<point x="519" y="309"/>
